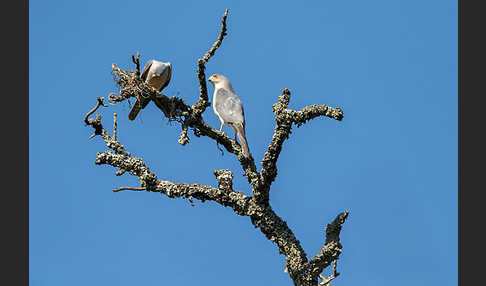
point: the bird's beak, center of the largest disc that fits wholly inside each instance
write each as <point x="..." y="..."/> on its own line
<point x="210" y="79"/>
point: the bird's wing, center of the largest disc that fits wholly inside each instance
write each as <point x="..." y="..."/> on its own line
<point x="220" y="95"/>
<point x="146" y="69"/>
<point x="229" y="106"/>
<point x="167" y="78"/>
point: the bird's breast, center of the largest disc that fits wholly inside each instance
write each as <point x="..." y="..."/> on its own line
<point x="155" y="82"/>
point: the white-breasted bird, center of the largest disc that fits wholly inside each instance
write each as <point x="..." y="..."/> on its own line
<point x="229" y="108"/>
<point x="157" y="75"/>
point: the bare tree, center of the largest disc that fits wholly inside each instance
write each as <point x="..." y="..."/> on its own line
<point x="257" y="206"/>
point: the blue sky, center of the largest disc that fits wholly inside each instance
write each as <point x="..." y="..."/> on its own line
<point x="390" y="65"/>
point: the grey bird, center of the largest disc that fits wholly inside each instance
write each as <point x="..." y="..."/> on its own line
<point x="229" y="108"/>
<point x="157" y="75"/>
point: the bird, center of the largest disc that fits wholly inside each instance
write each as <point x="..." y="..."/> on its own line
<point x="229" y="108"/>
<point x="157" y="75"/>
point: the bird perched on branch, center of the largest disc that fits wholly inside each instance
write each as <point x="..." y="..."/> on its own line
<point x="229" y="108"/>
<point x="157" y="75"/>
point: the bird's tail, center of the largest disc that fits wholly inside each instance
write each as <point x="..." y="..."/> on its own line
<point x="139" y="104"/>
<point x="240" y="128"/>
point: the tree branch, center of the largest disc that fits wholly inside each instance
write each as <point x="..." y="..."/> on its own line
<point x="95" y="122"/>
<point x="284" y="118"/>
<point x="239" y="202"/>
<point x="128" y="189"/>
<point x="313" y="111"/>
<point x="99" y="130"/>
<point x="332" y="248"/>
<point x="280" y="134"/>
<point x="276" y="230"/>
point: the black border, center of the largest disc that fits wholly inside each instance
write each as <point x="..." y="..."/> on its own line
<point x="471" y="143"/>
<point x="15" y="142"/>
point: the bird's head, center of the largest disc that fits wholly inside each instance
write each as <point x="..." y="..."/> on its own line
<point x="217" y="79"/>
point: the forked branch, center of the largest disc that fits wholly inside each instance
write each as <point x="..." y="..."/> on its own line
<point x="285" y="118"/>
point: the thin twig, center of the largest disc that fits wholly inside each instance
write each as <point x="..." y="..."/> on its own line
<point x="114" y="126"/>
<point x="98" y="104"/>
<point x="95" y="122"/>
<point x="218" y="42"/>
<point x="334" y="275"/>
<point x="136" y="61"/>
<point x="203" y="102"/>
<point x="129" y="189"/>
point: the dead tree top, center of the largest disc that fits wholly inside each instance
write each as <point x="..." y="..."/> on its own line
<point x="256" y="206"/>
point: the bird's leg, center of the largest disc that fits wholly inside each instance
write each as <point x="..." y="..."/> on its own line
<point x="153" y="88"/>
<point x="235" y="131"/>
<point x="221" y="128"/>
